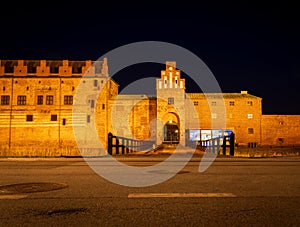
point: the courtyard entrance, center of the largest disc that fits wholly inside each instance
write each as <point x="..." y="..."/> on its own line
<point x="171" y="133"/>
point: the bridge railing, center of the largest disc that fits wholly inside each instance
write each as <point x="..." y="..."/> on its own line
<point x="219" y="145"/>
<point x="118" y="145"/>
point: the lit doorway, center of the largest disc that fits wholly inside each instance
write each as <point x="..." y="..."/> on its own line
<point x="171" y="133"/>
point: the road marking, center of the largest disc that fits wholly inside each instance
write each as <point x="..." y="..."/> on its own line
<point x="181" y="195"/>
<point x="13" y="196"/>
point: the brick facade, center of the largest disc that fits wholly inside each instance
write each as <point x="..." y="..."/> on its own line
<point x="37" y="117"/>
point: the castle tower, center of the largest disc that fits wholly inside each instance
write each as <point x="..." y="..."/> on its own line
<point x="170" y="90"/>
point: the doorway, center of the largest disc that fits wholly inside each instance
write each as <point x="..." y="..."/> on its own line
<point x="171" y="133"/>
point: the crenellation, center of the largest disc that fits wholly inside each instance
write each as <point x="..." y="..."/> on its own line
<point x="43" y="69"/>
<point x="65" y="69"/>
<point x="20" y="69"/>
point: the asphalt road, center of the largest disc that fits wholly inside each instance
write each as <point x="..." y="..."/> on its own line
<point x="231" y="192"/>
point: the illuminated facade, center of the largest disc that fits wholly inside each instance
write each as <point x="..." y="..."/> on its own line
<point x="37" y="99"/>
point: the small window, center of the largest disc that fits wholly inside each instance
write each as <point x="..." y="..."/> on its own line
<point x="250" y="131"/>
<point x="103" y="106"/>
<point x="170" y="100"/>
<point x="250" y="116"/>
<point x="196" y="103"/>
<point x="92" y="103"/>
<point x="49" y="100"/>
<point x="249" y="103"/>
<point x="29" y="117"/>
<point x="95" y="83"/>
<point x="3" y="88"/>
<point x="280" y="140"/>
<point x="231" y="103"/>
<point x="40" y="100"/>
<point x="68" y="100"/>
<point x="21" y="100"/>
<point x="5" y="99"/>
<point x="88" y="118"/>
<point x="53" y="117"/>
<point x="214" y="115"/>
<point x="64" y="121"/>
<point x="213" y="103"/>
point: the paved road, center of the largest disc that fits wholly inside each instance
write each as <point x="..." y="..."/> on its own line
<point x="232" y="192"/>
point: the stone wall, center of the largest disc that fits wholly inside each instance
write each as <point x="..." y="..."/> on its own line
<point x="280" y="130"/>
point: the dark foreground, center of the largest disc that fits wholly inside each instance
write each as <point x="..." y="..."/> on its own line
<point x="232" y="192"/>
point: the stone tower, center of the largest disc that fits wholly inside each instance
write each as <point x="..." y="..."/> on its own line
<point x="170" y="91"/>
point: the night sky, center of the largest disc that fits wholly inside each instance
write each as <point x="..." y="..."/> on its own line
<point x="247" y="46"/>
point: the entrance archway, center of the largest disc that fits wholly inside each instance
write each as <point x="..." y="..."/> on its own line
<point x="171" y="133"/>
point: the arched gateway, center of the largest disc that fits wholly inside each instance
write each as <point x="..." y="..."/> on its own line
<point x="171" y="133"/>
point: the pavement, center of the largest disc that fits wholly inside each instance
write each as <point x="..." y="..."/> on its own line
<point x="259" y="152"/>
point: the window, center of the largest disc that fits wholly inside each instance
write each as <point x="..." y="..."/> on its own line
<point x="53" y="117"/>
<point x="103" y="106"/>
<point x="95" y="83"/>
<point x="21" y="100"/>
<point x="231" y="103"/>
<point x="250" y="116"/>
<point x="92" y="103"/>
<point x="280" y="140"/>
<point x="88" y="118"/>
<point x="196" y="103"/>
<point x="49" y="100"/>
<point x="29" y="117"/>
<point x="64" y="121"/>
<point x="40" y="100"/>
<point x="214" y="115"/>
<point x="250" y="130"/>
<point x="213" y="103"/>
<point x="68" y="99"/>
<point x="249" y="103"/>
<point x="170" y="100"/>
<point x="5" y="99"/>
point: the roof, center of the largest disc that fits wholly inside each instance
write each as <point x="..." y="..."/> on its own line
<point x="221" y="95"/>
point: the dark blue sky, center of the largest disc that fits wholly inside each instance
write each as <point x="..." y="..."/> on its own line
<point x="248" y="46"/>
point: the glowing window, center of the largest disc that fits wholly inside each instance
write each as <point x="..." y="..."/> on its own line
<point x="21" y="100"/>
<point x="68" y="99"/>
<point x="5" y="99"/>
<point x="49" y="100"/>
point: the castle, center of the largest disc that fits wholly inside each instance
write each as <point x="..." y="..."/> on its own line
<point x="37" y="114"/>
